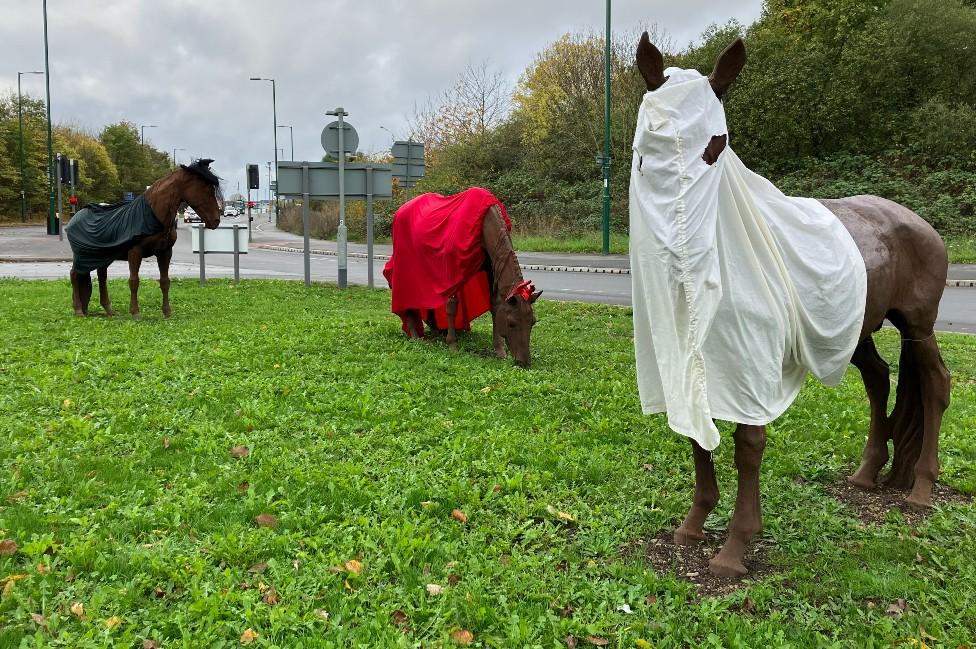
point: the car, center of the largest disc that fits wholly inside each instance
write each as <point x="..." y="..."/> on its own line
<point x="231" y="210"/>
<point x="190" y="216"/>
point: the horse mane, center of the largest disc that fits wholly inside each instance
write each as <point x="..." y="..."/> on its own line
<point x="201" y="169"/>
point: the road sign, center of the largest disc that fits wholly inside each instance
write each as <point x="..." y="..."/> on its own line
<point x="323" y="180"/>
<point x="408" y="162"/>
<point x="330" y="138"/>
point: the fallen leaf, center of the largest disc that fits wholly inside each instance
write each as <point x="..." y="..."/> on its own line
<point x="8" y="547"/>
<point x="18" y="495"/>
<point x="8" y="588"/>
<point x="399" y="617"/>
<point x="567" y="610"/>
<point x="66" y="403"/>
<point x="258" y="568"/>
<point x="159" y="593"/>
<point x="651" y="600"/>
<point x="458" y="515"/>
<point x="78" y="609"/>
<point x="39" y="620"/>
<point x="249" y="636"/>
<point x="150" y="644"/>
<point x="486" y="389"/>
<point x="434" y="589"/>
<point x="166" y="442"/>
<point x="496" y="488"/>
<point x="271" y="597"/>
<point x="453" y="580"/>
<point x="43" y="568"/>
<point x="597" y="641"/>
<point x="897" y="608"/>
<point x="463" y="637"/>
<point x="648" y="467"/>
<point x="266" y="520"/>
<point x="625" y="608"/>
<point x="113" y="622"/>
<point x="353" y="566"/>
<point x="322" y="614"/>
<point x="570" y="642"/>
<point x="240" y="451"/>
<point x="642" y="644"/>
<point x="243" y="487"/>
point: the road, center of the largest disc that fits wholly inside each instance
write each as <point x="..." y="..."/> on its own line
<point x="957" y="312"/>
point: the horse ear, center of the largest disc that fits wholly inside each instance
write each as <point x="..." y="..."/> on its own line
<point x="650" y="62"/>
<point x="535" y="296"/>
<point x="204" y="162"/>
<point x="728" y="66"/>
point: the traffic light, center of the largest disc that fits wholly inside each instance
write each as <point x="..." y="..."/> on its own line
<point x="252" y="177"/>
<point x="64" y="169"/>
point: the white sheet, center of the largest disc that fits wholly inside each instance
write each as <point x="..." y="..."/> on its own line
<point x="738" y="290"/>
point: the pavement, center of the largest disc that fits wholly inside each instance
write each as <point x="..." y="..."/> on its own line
<point x="31" y="244"/>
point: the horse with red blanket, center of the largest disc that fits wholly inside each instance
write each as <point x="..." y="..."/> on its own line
<point x="452" y="262"/>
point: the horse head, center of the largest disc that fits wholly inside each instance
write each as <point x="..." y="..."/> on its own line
<point x="516" y="320"/>
<point x="202" y="191"/>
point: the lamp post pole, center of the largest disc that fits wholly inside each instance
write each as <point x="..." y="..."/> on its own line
<point x="52" y="223"/>
<point x="142" y="139"/>
<point x="606" y="141"/>
<point x="23" y="175"/>
<point x="342" y="233"/>
<point x="274" y="115"/>
<point x="174" y="154"/>
<point x="291" y="133"/>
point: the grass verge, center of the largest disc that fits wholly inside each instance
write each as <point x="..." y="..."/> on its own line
<point x="120" y="486"/>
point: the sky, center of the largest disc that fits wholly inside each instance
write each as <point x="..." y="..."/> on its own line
<point x="184" y="65"/>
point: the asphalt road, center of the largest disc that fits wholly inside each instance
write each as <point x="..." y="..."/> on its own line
<point x="957" y="312"/>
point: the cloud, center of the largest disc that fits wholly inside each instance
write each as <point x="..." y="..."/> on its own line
<point x="184" y="65"/>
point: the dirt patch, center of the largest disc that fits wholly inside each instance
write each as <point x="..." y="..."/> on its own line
<point x="690" y="563"/>
<point x="872" y="505"/>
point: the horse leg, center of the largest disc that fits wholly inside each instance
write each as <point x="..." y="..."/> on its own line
<point x="76" y="294"/>
<point x="451" y="307"/>
<point x="103" y="297"/>
<point x="934" y="380"/>
<point x="415" y="328"/>
<point x="135" y="261"/>
<point x="874" y="372"/>
<point x="706" y="497"/>
<point x="497" y="340"/>
<point x="84" y="292"/>
<point x="163" y="258"/>
<point x="750" y="441"/>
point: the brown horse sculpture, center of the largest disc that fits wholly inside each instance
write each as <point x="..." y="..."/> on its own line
<point x="422" y="271"/>
<point x="906" y="267"/>
<point x="146" y="227"/>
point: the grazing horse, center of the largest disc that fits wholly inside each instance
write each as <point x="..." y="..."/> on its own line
<point x="452" y="261"/>
<point x="903" y="278"/>
<point x="144" y="228"/>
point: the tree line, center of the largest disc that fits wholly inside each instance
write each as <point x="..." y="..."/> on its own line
<point x="839" y="97"/>
<point x="110" y="163"/>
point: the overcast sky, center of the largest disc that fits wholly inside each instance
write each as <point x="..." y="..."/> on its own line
<point x="184" y="64"/>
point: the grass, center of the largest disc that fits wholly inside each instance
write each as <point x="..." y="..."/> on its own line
<point x="961" y="249"/>
<point x="591" y="242"/>
<point x="118" y="485"/>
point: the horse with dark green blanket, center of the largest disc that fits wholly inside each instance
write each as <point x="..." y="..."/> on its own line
<point x="146" y="227"/>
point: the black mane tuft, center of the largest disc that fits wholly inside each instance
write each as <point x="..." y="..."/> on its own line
<point x="201" y="169"/>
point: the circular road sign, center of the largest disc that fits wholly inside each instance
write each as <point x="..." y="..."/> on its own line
<point x="330" y="138"/>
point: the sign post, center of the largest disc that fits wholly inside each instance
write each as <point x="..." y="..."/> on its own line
<point x="306" y="224"/>
<point x="369" y="225"/>
<point x="338" y="138"/>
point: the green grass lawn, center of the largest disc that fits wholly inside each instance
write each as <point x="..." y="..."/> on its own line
<point x="120" y="490"/>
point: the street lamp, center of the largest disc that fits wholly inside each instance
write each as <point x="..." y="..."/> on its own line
<point x="291" y="132"/>
<point x="392" y="136"/>
<point x="606" y="138"/>
<point x="53" y="227"/>
<point x="274" y="115"/>
<point x="20" y="119"/>
<point x="174" y="154"/>
<point x="144" y="127"/>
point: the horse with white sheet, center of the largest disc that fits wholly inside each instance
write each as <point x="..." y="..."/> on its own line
<point x="739" y="291"/>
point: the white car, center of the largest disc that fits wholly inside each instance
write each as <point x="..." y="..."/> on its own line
<point x="190" y="216"/>
<point x="231" y="210"/>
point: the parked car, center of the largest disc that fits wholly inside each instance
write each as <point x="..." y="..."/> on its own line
<point x="190" y="216"/>
<point x="231" y="210"/>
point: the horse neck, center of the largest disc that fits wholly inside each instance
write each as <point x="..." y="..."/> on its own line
<point x="498" y="246"/>
<point x="164" y="197"/>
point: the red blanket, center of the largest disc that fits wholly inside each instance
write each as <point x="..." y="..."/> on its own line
<point x="437" y="253"/>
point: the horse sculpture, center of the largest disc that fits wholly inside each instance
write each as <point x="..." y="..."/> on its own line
<point x="452" y="261"/>
<point x="133" y="231"/>
<point x="901" y="279"/>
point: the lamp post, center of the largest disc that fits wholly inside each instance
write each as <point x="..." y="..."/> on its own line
<point x="53" y="227"/>
<point x="291" y="133"/>
<point x="20" y="119"/>
<point x="392" y="136"/>
<point x="142" y="138"/>
<point x="174" y="154"/>
<point x="274" y="115"/>
<point x="606" y="140"/>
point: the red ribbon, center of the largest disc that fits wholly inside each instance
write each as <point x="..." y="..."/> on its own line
<point x="525" y="290"/>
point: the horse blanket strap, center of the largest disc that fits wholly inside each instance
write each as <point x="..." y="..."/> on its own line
<point x="738" y="290"/>
<point x="438" y="253"/>
<point x="101" y="234"/>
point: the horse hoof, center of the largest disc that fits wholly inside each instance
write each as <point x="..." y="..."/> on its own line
<point x="721" y="567"/>
<point x="109" y="312"/>
<point x="452" y="346"/>
<point x="137" y="316"/>
<point x="683" y="536"/>
<point x="501" y="355"/>
<point x="167" y="315"/>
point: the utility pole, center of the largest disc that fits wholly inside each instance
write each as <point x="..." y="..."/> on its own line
<point x="174" y="154"/>
<point x="52" y="224"/>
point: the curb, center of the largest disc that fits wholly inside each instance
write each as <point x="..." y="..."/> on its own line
<point x="33" y="260"/>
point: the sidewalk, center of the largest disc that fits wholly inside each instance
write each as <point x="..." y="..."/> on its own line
<point x="32" y="244"/>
